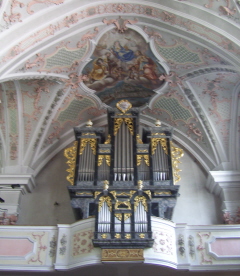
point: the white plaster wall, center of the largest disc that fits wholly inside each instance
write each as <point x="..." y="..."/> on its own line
<point x="195" y="206"/>
<point x="37" y="208"/>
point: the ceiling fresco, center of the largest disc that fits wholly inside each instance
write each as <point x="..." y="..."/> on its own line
<point x="126" y="61"/>
<point x="179" y="61"/>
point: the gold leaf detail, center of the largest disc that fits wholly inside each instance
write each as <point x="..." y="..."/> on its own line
<point x="176" y="154"/>
<point x="71" y="154"/>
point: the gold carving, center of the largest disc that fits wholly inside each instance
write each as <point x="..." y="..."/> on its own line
<point x="118" y="216"/>
<point x="104" y="236"/>
<point x="129" y="122"/>
<point x="133" y="254"/>
<point x="126" y="203"/>
<point x="176" y="154"/>
<point x="107" y="159"/>
<point x="142" y="236"/>
<point x="118" y="123"/>
<point x="139" y="199"/>
<point x="128" y="236"/>
<point x="117" y="236"/>
<point x="108" y="141"/>
<point x="148" y="192"/>
<point x="124" y="105"/>
<point x="70" y="154"/>
<point x="163" y="193"/>
<point x="96" y="194"/>
<point x="139" y="140"/>
<point x="84" y="193"/>
<point x="142" y="151"/>
<point x="106" y="199"/>
<point x="145" y="157"/>
<point x="126" y="216"/>
<point x="91" y="141"/>
<point x="162" y="141"/>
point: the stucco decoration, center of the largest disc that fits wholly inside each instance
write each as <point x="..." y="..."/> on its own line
<point x="123" y="60"/>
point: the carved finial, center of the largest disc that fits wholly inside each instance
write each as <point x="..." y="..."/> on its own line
<point x="89" y="123"/>
<point x="140" y="185"/>
<point x="158" y="123"/>
<point x="105" y="185"/>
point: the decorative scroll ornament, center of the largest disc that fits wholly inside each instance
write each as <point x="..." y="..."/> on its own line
<point x="107" y="159"/>
<point x="125" y="203"/>
<point x="108" y="141"/>
<point x="91" y="141"/>
<point x="71" y="154"/>
<point x="133" y="254"/>
<point x="162" y="141"/>
<point x="176" y="154"/>
<point x="145" y="157"/>
<point x="106" y="199"/>
<point x="125" y="216"/>
<point x="139" y="199"/>
<point x="96" y="194"/>
<point x="118" y="123"/>
<point x="120" y="23"/>
<point x="139" y="140"/>
<point x="141" y="236"/>
<point x="117" y="236"/>
<point x="163" y="193"/>
<point x="148" y="192"/>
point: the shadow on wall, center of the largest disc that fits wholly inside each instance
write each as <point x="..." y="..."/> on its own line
<point x="49" y="203"/>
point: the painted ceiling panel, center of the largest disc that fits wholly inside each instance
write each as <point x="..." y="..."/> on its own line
<point x="186" y="70"/>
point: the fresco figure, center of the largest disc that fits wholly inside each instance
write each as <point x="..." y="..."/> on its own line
<point x="99" y="70"/>
<point x="121" y="53"/>
<point x="146" y="67"/>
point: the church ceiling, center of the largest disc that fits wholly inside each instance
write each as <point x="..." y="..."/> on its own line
<point x="177" y="60"/>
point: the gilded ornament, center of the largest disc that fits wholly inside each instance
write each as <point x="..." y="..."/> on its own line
<point x="148" y="192"/>
<point x="162" y="141"/>
<point x="102" y="157"/>
<point x="108" y="141"/>
<point x="118" y="216"/>
<point x="139" y="199"/>
<point x="133" y="254"/>
<point x="118" y="123"/>
<point x="71" y="154"/>
<point x="91" y="141"/>
<point x="126" y="216"/>
<point x="117" y="236"/>
<point x="84" y="193"/>
<point x="124" y="105"/>
<point x="106" y="199"/>
<point x="126" y="203"/>
<point x="142" y="236"/>
<point x="163" y="193"/>
<point x="96" y="194"/>
<point x="139" y="140"/>
<point x="128" y="236"/>
<point x="104" y="236"/>
<point x="114" y="193"/>
<point x="176" y="154"/>
<point x="145" y="157"/>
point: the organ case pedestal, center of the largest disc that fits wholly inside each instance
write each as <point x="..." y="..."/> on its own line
<point x="123" y="179"/>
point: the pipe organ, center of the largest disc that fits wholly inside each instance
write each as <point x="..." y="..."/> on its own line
<point x="123" y="178"/>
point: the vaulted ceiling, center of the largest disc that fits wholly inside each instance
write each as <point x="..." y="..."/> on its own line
<point x="63" y="62"/>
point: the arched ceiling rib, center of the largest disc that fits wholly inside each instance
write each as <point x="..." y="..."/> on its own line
<point x="41" y="71"/>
